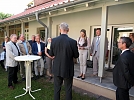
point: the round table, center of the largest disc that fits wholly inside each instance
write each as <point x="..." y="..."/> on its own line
<point x="28" y="59"/>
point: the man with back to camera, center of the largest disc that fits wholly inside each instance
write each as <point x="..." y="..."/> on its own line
<point x="123" y="73"/>
<point x="63" y="49"/>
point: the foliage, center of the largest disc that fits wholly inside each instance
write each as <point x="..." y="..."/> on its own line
<point x="3" y="15"/>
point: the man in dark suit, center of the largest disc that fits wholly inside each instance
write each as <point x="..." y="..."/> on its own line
<point x="123" y="73"/>
<point x="32" y="41"/>
<point x="38" y="48"/>
<point x="63" y="49"/>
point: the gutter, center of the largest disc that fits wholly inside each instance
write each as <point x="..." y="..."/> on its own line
<point x="45" y="26"/>
<point x="54" y="8"/>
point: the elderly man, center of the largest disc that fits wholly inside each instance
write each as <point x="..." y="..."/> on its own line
<point x="63" y="49"/>
<point x="32" y="41"/>
<point x="38" y="48"/>
<point x="12" y="50"/>
<point x="25" y="49"/>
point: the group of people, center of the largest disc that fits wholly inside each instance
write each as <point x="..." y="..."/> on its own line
<point x="123" y="72"/>
<point x="61" y="51"/>
<point x="84" y="46"/>
<point x="18" y="46"/>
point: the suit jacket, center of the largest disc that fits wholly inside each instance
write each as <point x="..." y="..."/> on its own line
<point x="123" y="73"/>
<point x="22" y="48"/>
<point x="64" y="49"/>
<point x="3" y="45"/>
<point x="11" y="53"/>
<point x="35" y="49"/>
<point x="98" y="49"/>
<point x="31" y="42"/>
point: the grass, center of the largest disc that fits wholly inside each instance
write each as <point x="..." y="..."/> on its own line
<point x="46" y="92"/>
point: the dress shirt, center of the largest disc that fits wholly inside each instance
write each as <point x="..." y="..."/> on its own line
<point x="5" y="43"/>
<point x="39" y="47"/>
<point x="25" y="46"/>
<point x="124" y="51"/>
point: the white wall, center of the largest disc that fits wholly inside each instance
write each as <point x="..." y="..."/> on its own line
<point x="121" y="14"/>
<point x="78" y="21"/>
<point x="33" y="25"/>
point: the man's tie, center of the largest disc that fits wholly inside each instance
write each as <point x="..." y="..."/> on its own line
<point x="97" y="42"/>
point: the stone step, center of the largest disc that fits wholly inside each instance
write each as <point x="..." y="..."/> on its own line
<point x="96" y="89"/>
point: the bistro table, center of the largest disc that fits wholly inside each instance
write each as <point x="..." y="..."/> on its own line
<point x="28" y="59"/>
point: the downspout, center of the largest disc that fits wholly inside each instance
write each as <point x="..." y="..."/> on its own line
<point x="45" y="26"/>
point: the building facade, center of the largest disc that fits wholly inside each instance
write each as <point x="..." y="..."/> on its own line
<point x="114" y="17"/>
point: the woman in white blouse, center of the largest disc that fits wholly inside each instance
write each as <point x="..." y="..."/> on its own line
<point x="83" y="46"/>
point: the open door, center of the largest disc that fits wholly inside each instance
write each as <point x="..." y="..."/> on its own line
<point x="118" y="31"/>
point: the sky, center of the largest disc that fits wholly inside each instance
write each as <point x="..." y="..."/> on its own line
<point x="13" y="6"/>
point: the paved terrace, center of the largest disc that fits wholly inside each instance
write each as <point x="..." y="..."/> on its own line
<point x="107" y="81"/>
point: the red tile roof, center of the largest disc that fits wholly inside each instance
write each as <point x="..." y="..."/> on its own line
<point x="37" y="8"/>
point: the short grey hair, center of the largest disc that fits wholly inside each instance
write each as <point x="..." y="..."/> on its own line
<point x="12" y="35"/>
<point x="64" y="26"/>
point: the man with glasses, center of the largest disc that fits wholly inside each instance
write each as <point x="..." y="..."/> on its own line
<point x="123" y="73"/>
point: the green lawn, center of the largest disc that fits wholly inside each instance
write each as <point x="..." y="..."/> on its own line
<point x="46" y="92"/>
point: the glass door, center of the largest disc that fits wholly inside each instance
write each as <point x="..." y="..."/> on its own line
<point x="118" y="31"/>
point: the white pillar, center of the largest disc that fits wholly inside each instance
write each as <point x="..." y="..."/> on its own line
<point x="22" y="28"/>
<point x="102" y="41"/>
<point x="49" y="23"/>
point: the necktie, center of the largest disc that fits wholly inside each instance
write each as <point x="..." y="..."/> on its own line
<point x="97" y="42"/>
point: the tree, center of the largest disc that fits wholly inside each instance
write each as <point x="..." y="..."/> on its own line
<point x="3" y="15"/>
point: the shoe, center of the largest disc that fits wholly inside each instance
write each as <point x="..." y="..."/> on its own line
<point x="36" y="77"/>
<point x="82" y="78"/>
<point x="23" y="79"/>
<point x="11" y="87"/>
<point x="41" y="75"/>
<point x="50" y="78"/>
<point x="79" y="76"/>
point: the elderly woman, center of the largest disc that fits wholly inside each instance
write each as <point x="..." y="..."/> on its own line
<point x="83" y="46"/>
<point x="4" y="48"/>
<point x="49" y="59"/>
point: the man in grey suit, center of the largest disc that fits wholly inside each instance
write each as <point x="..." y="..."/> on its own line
<point x="12" y="50"/>
<point x="95" y="51"/>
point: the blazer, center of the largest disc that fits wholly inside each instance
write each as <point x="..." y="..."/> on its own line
<point x="11" y="53"/>
<point x="3" y="45"/>
<point x="31" y="42"/>
<point x="64" y="49"/>
<point x="22" y="48"/>
<point x="123" y="72"/>
<point x="92" y="51"/>
<point x="35" y="49"/>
